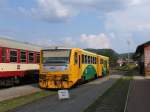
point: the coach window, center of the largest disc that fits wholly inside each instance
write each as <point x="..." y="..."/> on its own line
<point x="23" y="56"/>
<point x="13" y="55"/>
<point x="31" y="57"/>
<point x="76" y="58"/>
<point x="3" y="55"/>
<point x="37" y="58"/>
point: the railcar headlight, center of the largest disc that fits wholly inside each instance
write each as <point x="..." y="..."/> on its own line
<point x="66" y="67"/>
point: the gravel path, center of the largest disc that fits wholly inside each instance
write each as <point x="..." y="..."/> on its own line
<point x="14" y="92"/>
<point x="139" y="97"/>
<point x="80" y="99"/>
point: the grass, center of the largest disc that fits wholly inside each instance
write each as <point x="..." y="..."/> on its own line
<point x="114" y="99"/>
<point x="126" y="67"/>
<point x="19" y="101"/>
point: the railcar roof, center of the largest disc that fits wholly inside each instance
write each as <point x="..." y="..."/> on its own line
<point x="5" y="42"/>
<point x="105" y="57"/>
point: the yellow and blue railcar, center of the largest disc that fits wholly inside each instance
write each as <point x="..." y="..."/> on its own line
<point x="63" y="68"/>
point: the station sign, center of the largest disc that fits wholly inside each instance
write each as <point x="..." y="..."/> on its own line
<point x="63" y="94"/>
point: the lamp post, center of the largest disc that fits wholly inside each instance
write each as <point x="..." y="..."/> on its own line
<point x="128" y="42"/>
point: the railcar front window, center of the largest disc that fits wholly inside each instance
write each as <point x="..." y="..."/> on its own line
<point x="56" y="57"/>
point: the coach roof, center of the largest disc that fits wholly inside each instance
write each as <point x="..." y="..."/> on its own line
<point x="5" y="42"/>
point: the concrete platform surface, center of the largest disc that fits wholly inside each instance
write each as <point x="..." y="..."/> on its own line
<point x="14" y="92"/>
<point x="81" y="98"/>
<point x="139" y="97"/>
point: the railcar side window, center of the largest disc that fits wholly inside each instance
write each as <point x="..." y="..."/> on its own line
<point x="3" y="55"/>
<point x="91" y="60"/>
<point x="101" y="61"/>
<point x="31" y="57"/>
<point x="94" y="60"/>
<point x="105" y="63"/>
<point x="37" y="58"/>
<point x="83" y="60"/>
<point x="76" y="58"/>
<point x="13" y="55"/>
<point x="23" y="56"/>
<point x="88" y="59"/>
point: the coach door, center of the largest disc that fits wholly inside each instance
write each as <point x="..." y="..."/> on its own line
<point x="77" y="64"/>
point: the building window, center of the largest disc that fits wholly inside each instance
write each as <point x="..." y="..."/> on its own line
<point x="23" y="56"/>
<point x="3" y="55"/>
<point x="13" y="55"/>
<point x="31" y="57"/>
<point x="93" y="60"/>
<point x="76" y="58"/>
<point x="37" y="58"/>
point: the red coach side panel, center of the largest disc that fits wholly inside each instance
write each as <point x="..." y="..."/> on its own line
<point x="0" y="55"/>
<point x="7" y="55"/>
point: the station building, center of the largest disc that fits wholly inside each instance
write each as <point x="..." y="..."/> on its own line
<point x="143" y="57"/>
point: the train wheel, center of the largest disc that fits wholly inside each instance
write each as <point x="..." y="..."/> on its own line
<point x="2" y="82"/>
<point x="95" y="76"/>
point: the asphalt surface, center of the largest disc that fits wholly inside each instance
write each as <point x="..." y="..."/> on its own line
<point x="9" y="93"/>
<point x="80" y="99"/>
<point x="139" y="97"/>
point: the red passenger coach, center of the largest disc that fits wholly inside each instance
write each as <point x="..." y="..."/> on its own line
<point x="19" y="62"/>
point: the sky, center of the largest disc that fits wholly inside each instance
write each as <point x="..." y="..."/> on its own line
<point x="121" y="25"/>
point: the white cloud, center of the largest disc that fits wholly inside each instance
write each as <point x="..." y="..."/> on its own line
<point x="52" y="10"/>
<point x="85" y="41"/>
<point x="65" y="42"/>
<point x="134" y="18"/>
<point x="69" y="42"/>
<point x="95" y="41"/>
<point x="100" y="5"/>
<point x="63" y="10"/>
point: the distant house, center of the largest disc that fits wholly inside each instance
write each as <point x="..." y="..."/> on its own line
<point x="143" y="57"/>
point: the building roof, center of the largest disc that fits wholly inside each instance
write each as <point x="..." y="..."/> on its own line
<point x="5" y="42"/>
